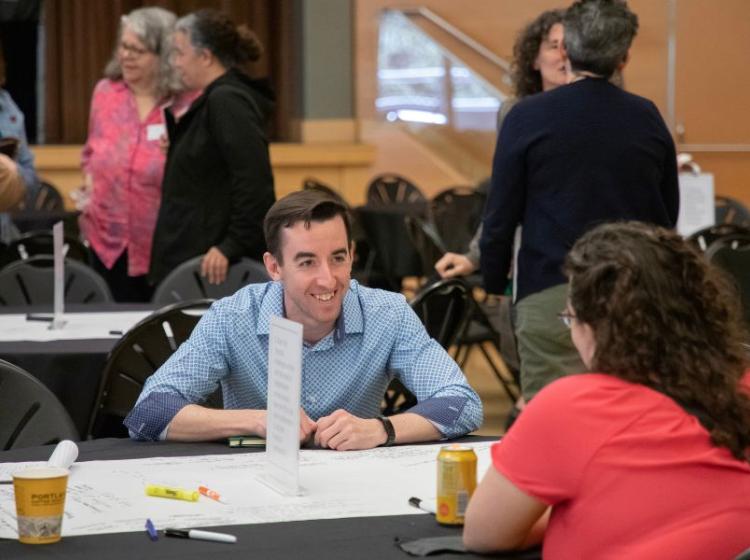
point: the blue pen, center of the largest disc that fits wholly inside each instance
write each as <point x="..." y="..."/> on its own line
<point x="151" y="530"/>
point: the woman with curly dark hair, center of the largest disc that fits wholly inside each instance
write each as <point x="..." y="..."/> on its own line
<point x="649" y="457"/>
<point x="218" y="182"/>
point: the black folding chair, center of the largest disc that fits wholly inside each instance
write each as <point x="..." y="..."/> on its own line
<point x="34" y="243"/>
<point x="48" y="198"/>
<point x="428" y="243"/>
<point x="137" y="355"/>
<point x="30" y="414"/>
<point x="730" y="211"/>
<point x="186" y="283"/>
<point x="456" y="214"/>
<point x="703" y="238"/>
<point x="443" y="307"/>
<point x="31" y="282"/>
<point x="390" y="188"/>
<point x="732" y="253"/>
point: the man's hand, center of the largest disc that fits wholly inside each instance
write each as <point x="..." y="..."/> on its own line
<point x="451" y="265"/>
<point x="214" y="266"/>
<point x="306" y="425"/>
<point x="9" y="164"/>
<point x="343" y="431"/>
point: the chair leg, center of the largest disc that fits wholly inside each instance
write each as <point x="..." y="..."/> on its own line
<point x="502" y="372"/>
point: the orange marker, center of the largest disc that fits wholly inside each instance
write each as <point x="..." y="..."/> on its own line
<point x="208" y="493"/>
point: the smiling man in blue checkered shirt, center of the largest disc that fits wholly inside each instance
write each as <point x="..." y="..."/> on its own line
<point x="356" y="339"/>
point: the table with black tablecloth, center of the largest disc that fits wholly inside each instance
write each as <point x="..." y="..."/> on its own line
<point x="362" y="538"/>
<point x="71" y="369"/>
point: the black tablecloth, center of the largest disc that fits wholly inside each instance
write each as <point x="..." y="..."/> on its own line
<point x="386" y="233"/>
<point x="361" y="538"/>
<point x="71" y="369"/>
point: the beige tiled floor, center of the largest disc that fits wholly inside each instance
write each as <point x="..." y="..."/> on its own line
<point x="496" y="402"/>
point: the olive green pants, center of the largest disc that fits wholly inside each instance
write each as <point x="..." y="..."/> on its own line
<point x="544" y="346"/>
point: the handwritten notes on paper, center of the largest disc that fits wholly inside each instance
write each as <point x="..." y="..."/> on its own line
<point x="333" y="483"/>
<point x="283" y="412"/>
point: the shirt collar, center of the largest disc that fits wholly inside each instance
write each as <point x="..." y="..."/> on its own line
<point x="350" y="320"/>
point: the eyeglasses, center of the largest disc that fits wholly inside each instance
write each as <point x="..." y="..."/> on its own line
<point x="566" y="317"/>
<point x="132" y="50"/>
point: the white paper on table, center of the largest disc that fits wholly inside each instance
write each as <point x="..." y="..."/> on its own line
<point x="109" y="497"/>
<point x="697" y="206"/>
<point x="58" y="321"/>
<point x="113" y="324"/>
<point x="283" y="406"/>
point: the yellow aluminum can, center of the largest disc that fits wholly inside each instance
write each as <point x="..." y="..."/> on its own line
<point x="456" y="481"/>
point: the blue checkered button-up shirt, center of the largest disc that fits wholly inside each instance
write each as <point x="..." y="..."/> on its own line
<point x="377" y="337"/>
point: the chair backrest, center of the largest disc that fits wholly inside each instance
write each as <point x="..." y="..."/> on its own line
<point x="33" y="243"/>
<point x="31" y="282"/>
<point x="390" y="188"/>
<point x="47" y="198"/>
<point x="29" y="413"/>
<point x="457" y="213"/>
<point x="730" y="211"/>
<point x="426" y="240"/>
<point x="703" y="238"/>
<point x="186" y="283"/>
<point x="732" y="253"/>
<point x="136" y="356"/>
<point x="444" y="307"/>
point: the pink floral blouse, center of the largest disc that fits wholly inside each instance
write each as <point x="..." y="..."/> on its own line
<point x="126" y="165"/>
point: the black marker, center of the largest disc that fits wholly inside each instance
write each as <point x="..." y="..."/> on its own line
<point x="420" y="504"/>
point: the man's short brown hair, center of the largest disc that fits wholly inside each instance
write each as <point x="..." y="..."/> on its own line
<point x="303" y="206"/>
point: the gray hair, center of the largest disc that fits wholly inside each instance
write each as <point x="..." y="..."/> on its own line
<point x="153" y="27"/>
<point x="598" y="34"/>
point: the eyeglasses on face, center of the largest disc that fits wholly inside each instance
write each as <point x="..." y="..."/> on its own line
<point x="132" y="50"/>
<point x="566" y="317"/>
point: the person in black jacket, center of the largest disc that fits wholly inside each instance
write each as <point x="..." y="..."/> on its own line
<point x="218" y="183"/>
<point x="567" y="160"/>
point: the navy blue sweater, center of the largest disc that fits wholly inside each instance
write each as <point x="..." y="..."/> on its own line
<point x="567" y="160"/>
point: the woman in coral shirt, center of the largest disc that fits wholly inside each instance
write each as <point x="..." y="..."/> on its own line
<point x="649" y="457"/>
<point x="123" y="160"/>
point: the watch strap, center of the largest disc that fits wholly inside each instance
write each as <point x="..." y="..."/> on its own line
<point x="390" y="432"/>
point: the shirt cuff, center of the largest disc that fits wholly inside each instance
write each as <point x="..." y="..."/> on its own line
<point x="149" y="419"/>
<point x="443" y="412"/>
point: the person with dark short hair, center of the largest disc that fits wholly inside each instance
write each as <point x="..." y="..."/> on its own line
<point x="218" y="182"/>
<point x="356" y="339"/>
<point x="648" y="455"/>
<point x="582" y="154"/>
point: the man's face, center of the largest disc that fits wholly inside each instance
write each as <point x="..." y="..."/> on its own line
<point x="317" y="265"/>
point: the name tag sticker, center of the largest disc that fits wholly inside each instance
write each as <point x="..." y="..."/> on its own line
<point x="155" y="131"/>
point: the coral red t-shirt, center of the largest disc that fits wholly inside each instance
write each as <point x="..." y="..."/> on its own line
<point x="628" y="472"/>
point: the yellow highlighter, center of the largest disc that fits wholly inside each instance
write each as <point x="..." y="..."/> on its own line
<point x="173" y="493"/>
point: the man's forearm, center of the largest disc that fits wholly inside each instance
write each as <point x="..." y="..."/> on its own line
<point x="197" y="423"/>
<point x="413" y="428"/>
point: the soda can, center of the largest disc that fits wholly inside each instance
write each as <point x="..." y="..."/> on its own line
<point x="456" y="481"/>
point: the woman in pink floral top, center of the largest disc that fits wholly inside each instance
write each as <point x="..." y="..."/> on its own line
<point x="123" y="160"/>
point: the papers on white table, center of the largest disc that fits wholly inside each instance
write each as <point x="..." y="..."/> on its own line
<point x="283" y="416"/>
<point x="109" y="497"/>
<point x="111" y="324"/>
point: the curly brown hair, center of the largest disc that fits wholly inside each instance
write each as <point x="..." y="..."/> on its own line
<point x="211" y="29"/>
<point x="527" y="80"/>
<point x="664" y="317"/>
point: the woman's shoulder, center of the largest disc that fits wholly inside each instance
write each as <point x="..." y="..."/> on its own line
<point x="594" y="391"/>
<point x="107" y="87"/>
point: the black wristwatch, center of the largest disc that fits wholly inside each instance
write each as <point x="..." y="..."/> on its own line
<point x="390" y="432"/>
